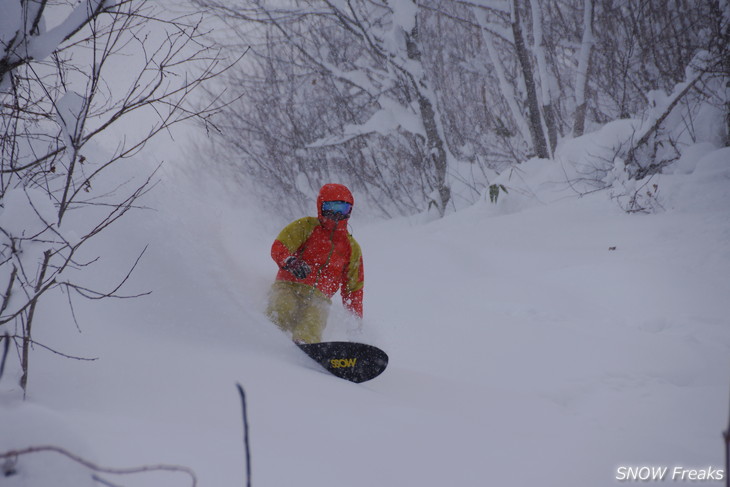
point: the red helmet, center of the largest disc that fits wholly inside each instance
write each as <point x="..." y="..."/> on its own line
<point x="333" y="192"/>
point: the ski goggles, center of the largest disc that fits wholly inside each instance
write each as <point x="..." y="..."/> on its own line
<point x="336" y="210"/>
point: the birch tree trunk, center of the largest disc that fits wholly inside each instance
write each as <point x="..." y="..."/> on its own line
<point x="533" y="106"/>
<point x="506" y="88"/>
<point x="584" y="70"/>
<point x="434" y="138"/>
<point x="726" y="66"/>
<point x="546" y="79"/>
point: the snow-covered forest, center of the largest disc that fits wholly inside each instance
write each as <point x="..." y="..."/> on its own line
<point x="542" y="195"/>
<point x="418" y="104"/>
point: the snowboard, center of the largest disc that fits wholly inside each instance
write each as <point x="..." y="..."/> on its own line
<point x="356" y="362"/>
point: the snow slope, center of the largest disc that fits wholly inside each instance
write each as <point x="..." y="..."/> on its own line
<point x="523" y="350"/>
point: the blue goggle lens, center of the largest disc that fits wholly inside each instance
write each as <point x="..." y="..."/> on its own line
<point x="341" y="208"/>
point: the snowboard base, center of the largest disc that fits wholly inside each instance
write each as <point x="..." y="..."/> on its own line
<point x="356" y="362"/>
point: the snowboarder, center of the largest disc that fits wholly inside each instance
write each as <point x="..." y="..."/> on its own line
<point x="316" y="258"/>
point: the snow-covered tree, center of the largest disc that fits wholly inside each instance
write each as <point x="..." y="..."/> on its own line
<point x="406" y="101"/>
<point x="60" y="90"/>
<point x="352" y="95"/>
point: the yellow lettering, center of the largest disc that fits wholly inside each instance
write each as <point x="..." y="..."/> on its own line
<point x="338" y="363"/>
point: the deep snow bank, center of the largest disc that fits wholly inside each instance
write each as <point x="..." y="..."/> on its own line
<point x="547" y="339"/>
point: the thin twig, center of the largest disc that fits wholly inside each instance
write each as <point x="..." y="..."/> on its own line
<point x="726" y="435"/>
<point x="97" y="468"/>
<point x="245" y="434"/>
<point x="34" y="343"/>
<point x="6" y="349"/>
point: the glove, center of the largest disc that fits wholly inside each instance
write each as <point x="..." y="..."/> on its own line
<point x="297" y="266"/>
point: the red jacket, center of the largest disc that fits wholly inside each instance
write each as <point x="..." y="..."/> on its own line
<point x="330" y="251"/>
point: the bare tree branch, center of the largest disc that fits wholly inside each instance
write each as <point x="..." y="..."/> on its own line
<point x="11" y="454"/>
